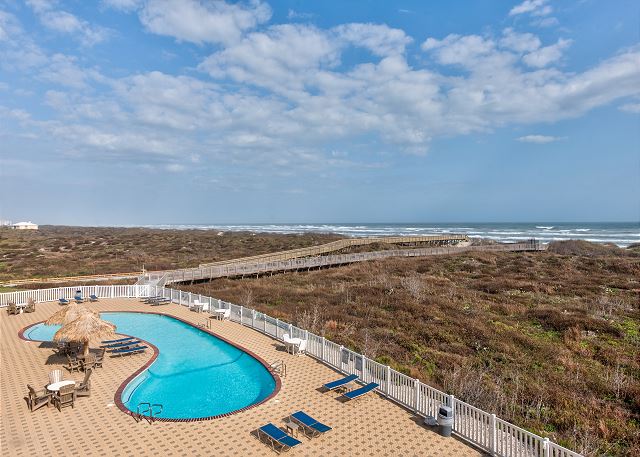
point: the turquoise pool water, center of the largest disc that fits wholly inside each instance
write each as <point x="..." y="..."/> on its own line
<point x="196" y="375"/>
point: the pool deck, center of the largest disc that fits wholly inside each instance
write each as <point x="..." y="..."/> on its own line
<point x="95" y="426"/>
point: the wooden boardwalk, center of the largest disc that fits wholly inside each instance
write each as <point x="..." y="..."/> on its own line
<point x="249" y="268"/>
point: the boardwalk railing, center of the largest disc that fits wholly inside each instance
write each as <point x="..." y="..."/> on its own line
<point x="484" y="430"/>
<point x="338" y="245"/>
<point x="262" y="267"/>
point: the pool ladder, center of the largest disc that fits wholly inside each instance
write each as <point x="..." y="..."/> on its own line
<point x="149" y="414"/>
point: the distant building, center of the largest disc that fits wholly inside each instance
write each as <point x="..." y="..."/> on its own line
<point x="25" y="226"/>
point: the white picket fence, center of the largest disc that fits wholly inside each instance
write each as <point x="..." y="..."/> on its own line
<point x="484" y="430"/>
<point x="43" y="295"/>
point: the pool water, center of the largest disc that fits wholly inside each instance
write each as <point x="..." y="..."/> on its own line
<point x="196" y="375"/>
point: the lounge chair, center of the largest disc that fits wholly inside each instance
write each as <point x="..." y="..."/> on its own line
<point x="279" y="440"/>
<point x="341" y="383"/>
<point x="160" y="301"/>
<point x="37" y="399"/>
<point x="66" y="396"/>
<point x="12" y="309"/>
<point x="122" y="345"/>
<point x="129" y="351"/>
<point x="73" y="364"/>
<point x="360" y="392"/>
<point x="63" y="301"/>
<point x="118" y="340"/>
<point x="78" y="297"/>
<point x="84" y="388"/>
<point x="310" y="426"/>
<point x="56" y="376"/>
<point x="93" y="297"/>
<point x="31" y="307"/>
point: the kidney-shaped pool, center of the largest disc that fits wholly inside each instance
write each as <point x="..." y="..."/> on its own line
<point x="195" y="376"/>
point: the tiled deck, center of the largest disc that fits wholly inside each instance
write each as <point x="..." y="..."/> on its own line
<point x="369" y="427"/>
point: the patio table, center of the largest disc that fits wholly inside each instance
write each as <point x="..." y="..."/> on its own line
<point x="56" y="385"/>
<point x="219" y="313"/>
<point x="293" y="343"/>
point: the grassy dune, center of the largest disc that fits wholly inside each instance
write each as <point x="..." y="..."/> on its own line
<point x="66" y="251"/>
<point x="550" y="341"/>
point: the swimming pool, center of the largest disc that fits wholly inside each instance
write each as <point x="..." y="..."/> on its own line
<point x="195" y="375"/>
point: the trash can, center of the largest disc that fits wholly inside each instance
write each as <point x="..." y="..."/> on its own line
<point x="445" y="420"/>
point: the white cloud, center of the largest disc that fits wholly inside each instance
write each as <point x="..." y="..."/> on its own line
<point x="65" y="22"/>
<point x="549" y="54"/>
<point x="519" y="42"/>
<point x="539" y="139"/>
<point x="456" y="49"/>
<point x="533" y="7"/>
<point x="203" y="22"/>
<point x="123" y="5"/>
<point x="633" y="108"/>
<point x="545" y="22"/>
<point x="381" y="40"/>
<point x="284" y="96"/>
<point x="175" y="167"/>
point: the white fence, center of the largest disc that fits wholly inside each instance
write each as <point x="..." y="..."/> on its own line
<point x="484" y="430"/>
<point x="42" y="295"/>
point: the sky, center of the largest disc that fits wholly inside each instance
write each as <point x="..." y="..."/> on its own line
<point x="126" y="112"/>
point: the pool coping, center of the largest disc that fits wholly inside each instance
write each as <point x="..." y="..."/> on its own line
<point x="156" y="352"/>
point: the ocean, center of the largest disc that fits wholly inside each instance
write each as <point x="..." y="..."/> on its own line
<point x="621" y="233"/>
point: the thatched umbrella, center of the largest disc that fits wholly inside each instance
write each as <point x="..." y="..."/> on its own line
<point x="86" y="328"/>
<point x="68" y="314"/>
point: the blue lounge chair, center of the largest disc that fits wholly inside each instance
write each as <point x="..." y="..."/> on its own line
<point x="63" y="301"/>
<point x="118" y="340"/>
<point x="278" y="439"/>
<point x="121" y="345"/>
<point x="310" y="426"/>
<point x="93" y="297"/>
<point x="129" y="351"/>
<point x="357" y="393"/>
<point x="340" y="383"/>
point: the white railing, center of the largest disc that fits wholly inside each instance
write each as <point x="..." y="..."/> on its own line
<point x="483" y="429"/>
<point x="43" y="295"/>
<point x="478" y="427"/>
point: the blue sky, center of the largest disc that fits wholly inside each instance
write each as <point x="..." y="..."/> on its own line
<point x="185" y="111"/>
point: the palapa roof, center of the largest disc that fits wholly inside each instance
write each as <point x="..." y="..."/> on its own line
<point x="88" y="327"/>
<point x="69" y="314"/>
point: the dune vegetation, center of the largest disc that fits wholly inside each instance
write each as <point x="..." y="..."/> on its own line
<point x="67" y="251"/>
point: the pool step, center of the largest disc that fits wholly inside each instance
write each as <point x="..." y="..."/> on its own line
<point x="149" y="414"/>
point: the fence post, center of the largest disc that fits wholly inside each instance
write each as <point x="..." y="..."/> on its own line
<point x="341" y="362"/>
<point x="277" y="327"/>
<point x="264" y="323"/>
<point x="290" y="331"/>
<point x="492" y="435"/>
<point x="253" y="318"/>
<point x="452" y="404"/>
<point x="323" y="357"/>
<point x="189" y="298"/>
<point x="241" y="313"/>
<point x="545" y="448"/>
<point x="387" y="387"/>
<point x="416" y="387"/>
